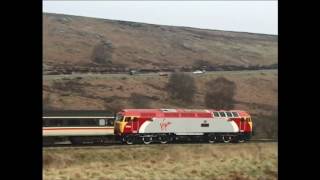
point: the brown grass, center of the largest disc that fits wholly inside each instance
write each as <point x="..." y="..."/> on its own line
<point x="164" y="162"/>
<point x="151" y="46"/>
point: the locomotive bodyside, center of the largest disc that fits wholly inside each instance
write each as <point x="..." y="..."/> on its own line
<point x="158" y="124"/>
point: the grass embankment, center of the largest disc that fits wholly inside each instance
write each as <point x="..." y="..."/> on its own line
<point x="195" y="162"/>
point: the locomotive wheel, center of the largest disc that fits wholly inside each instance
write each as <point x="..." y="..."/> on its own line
<point x="226" y="139"/>
<point x="76" y="141"/>
<point x="241" y="139"/>
<point x="163" y="139"/>
<point x="128" y="140"/>
<point x="147" y="140"/>
<point x="212" y="139"/>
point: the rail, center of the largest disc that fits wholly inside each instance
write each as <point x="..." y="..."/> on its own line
<point x="116" y="145"/>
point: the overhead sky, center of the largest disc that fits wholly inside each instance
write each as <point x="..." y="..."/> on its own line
<point x="242" y="16"/>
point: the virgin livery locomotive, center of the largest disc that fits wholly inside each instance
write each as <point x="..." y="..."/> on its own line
<point x="165" y="125"/>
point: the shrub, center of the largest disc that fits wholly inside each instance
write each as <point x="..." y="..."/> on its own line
<point x="265" y="126"/>
<point x="181" y="86"/>
<point x="220" y="93"/>
<point x="102" y="53"/>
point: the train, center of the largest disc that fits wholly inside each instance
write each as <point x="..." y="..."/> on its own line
<point x="132" y="126"/>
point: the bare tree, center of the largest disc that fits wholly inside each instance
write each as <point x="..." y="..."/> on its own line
<point x="220" y="93"/>
<point x="181" y="86"/>
<point x="102" y="53"/>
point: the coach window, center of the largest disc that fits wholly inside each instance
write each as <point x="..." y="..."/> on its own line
<point x="216" y="114"/>
<point x="88" y="122"/>
<point x="222" y="114"/>
<point x="72" y="122"/>
<point x="110" y="122"/>
<point x="235" y="114"/>
<point x="56" y="122"/>
<point x="102" y="122"/>
<point x="229" y="114"/>
<point x="45" y="123"/>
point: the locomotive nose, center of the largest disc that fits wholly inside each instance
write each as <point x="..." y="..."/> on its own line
<point x="250" y="124"/>
<point x="119" y="127"/>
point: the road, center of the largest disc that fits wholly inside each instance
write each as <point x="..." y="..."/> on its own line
<point x="120" y="75"/>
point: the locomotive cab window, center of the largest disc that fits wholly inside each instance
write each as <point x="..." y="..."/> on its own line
<point x="119" y="117"/>
<point x="222" y="114"/>
<point x="229" y="114"/>
<point x="235" y="114"/>
<point x="216" y="114"/>
<point x="127" y="119"/>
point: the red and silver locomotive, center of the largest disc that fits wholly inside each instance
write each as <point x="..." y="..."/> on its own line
<point x="165" y="125"/>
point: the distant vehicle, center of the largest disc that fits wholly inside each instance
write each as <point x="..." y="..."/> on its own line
<point x="163" y="74"/>
<point x="198" y="72"/>
<point x="133" y="72"/>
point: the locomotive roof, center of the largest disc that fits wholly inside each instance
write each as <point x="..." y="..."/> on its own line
<point x="175" y="110"/>
<point x="136" y="112"/>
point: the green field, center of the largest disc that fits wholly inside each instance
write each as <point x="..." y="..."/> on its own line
<point x="163" y="162"/>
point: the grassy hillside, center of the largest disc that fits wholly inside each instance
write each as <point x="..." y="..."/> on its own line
<point x="164" y="162"/>
<point x="256" y="90"/>
<point x="69" y="42"/>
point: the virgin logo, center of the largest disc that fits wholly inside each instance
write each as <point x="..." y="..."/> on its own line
<point x="164" y="125"/>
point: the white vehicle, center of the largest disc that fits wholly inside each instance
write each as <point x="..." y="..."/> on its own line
<point x="198" y="72"/>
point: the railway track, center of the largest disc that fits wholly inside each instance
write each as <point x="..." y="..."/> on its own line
<point x="117" y="145"/>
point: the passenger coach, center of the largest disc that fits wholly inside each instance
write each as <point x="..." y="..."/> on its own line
<point x="77" y="126"/>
